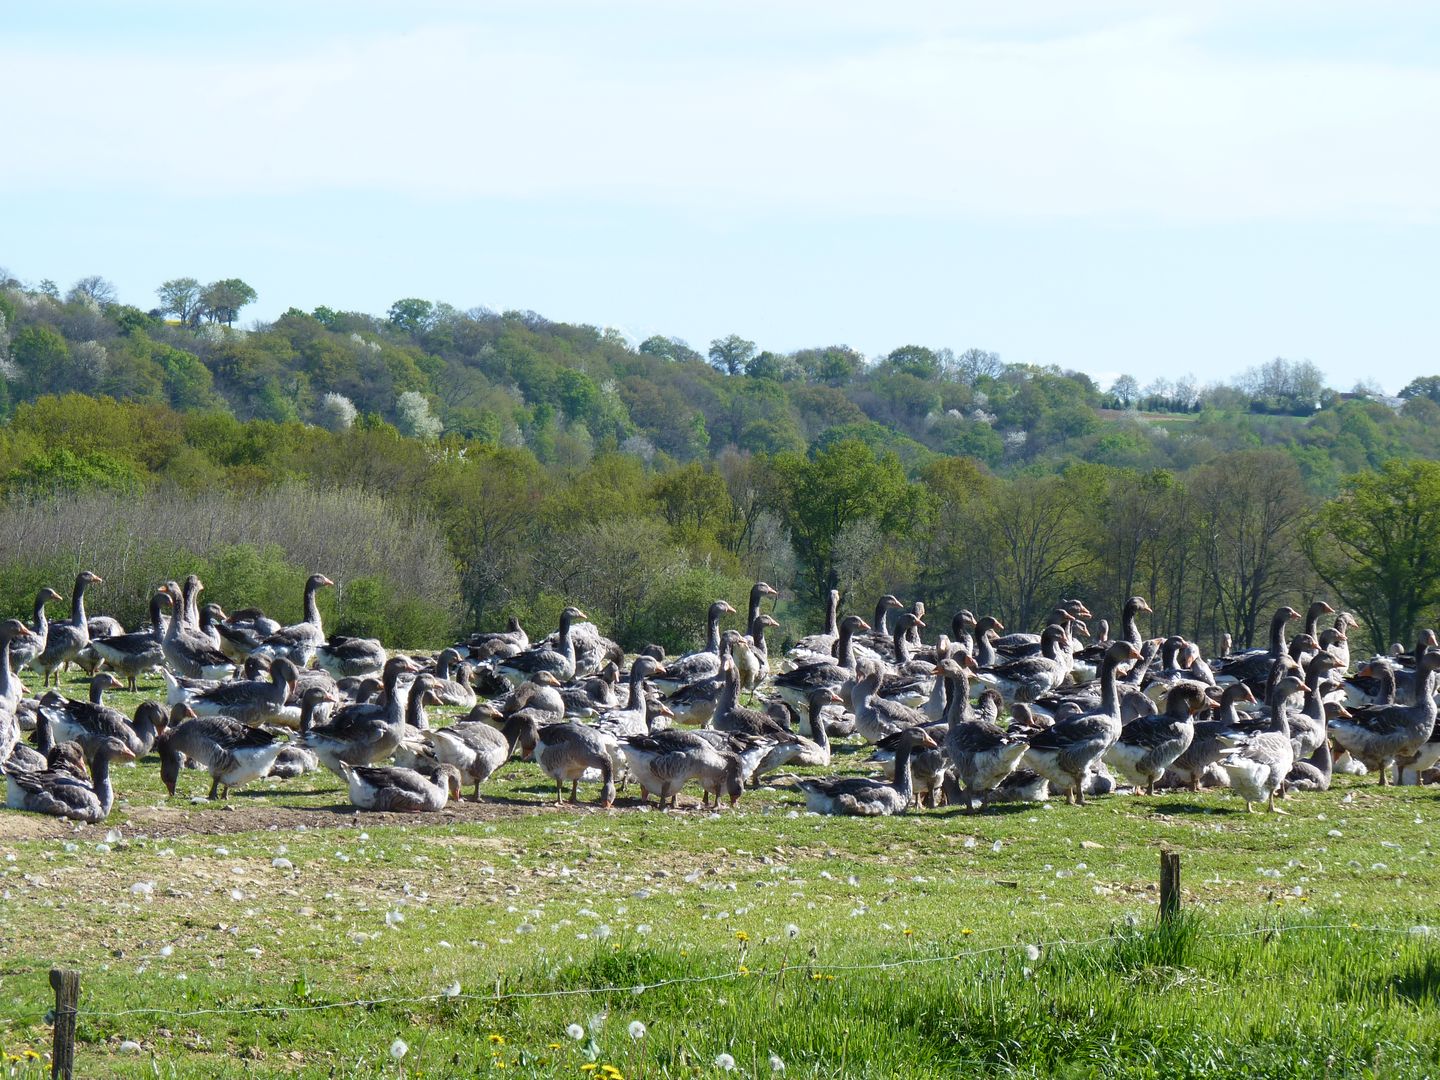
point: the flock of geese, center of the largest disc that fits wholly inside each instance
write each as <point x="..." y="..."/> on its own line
<point x="246" y="697"/>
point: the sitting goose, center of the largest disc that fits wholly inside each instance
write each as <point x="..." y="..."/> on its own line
<point x="982" y="754"/>
<point x="541" y="694"/>
<point x="64" y="640"/>
<point x="1030" y="677"/>
<point x="634" y="718"/>
<point x="795" y="685"/>
<point x="558" y="659"/>
<point x="426" y="788"/>
<point x="1318" y="770"/>
<point x="812" y="750"/>
<point x="929" y="768"/>
<point x="1384" y="733"/>
<point x="363" y="733"/>
<point x="507" y="642"/>
<point x="475" y="748"/>
<point x="25" y="650"/>
<point x="734" y="718"/>
<point x="1258" y="763"/>
<point x="592" y="694"/>
<point x="91" y="722"/>
<point x="862" y="796"/>
<point x="817" y="648"/>
<point x="695" y="704"/>
<point x="452" y="680"/>
<point x="1014" y="646"/>
<point x="877" y="645"/>
<point x="703" y="663"/>
<point x="60" y="792"/>
<point x="1149" y="745"/>
<point x="254" y="701"/>
<point x="352" y="657"/>
<point x="299" y="641"/>
<point x="565" y="751"/>
<point x="235" y="753"/>
<point x="132" y="655"/>
<point x="188" y="652"/>
<point x="1067" y="752"/>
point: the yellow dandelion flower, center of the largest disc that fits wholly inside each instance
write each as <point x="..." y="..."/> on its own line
<point x="909" y="931"/>
<point x="967" y="931"/>
<point x="497" y="1040"/>
<point x="741" y="936"/>
<point x="744" y="970"/>
<point x="589" y="1066"/>
<point x="553" y="1046"/>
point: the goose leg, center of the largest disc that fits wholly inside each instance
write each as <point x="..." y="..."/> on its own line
<point x="559" y="792"/>
<point x="575" y="790"/>
<point x="214" y="788"/>
<point x="1150" y="788"/>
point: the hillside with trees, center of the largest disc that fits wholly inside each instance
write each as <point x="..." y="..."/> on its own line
<point x="458" y="466"/>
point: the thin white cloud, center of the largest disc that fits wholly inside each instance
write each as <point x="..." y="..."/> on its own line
<point x="1127" y="117"/>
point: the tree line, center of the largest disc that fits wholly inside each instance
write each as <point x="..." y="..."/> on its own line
<point x="535" y="463"/>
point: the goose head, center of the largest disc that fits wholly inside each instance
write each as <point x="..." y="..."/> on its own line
<point x="318" y="581"/>
<point x="47" y="594"/>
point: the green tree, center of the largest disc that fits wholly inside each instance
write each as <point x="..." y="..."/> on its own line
<point x="1374" y="544"/>
<point x="180" y="297"/>
<point x="1426" y="386"/>
<point x="222" y="300"/>
<point x="914" y="360"/>
<point x="731" y="354"/>
<point x="412" y="316"/>
<point x="843" y="483"/>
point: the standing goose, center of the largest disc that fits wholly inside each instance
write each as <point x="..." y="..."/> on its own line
<point x="1147" y="746"/>
<point x="299" y="641"/>
<point x="815" y="648"/>
<point x="1340" y="646"/>
<point x="425" y="788"/>
<point x="64" y="640"/>
<point x="665" y="761"/>
<point x="475" y="748"/>
<point x="234" y="752"/>
<point x="1258" y="763"/>
<point x="879" y="642"/>
<point x="567" y="750"/>
<point x="982" y="753"/>
<point x="1376" y="736"/>
<point x="877" y="717"/>
<point x="60" y="792"/>
<point x="188" y="652"/>
<point x="1067" y="751"/>
<point x="363" y="733"/>
<point x="24" y="651"/>
<point x="1029" y="677"/>
<point x="1316" y="772"/>
<point x="864" y="797"/>
<point x="752" y="654"/>
<point x="134" y="654"/>
<point x="795" y="685"/>
<point x="558" y="659"/>
<point x="1198" y="765"/>
<point x="1253" y="665"/>
<point x="12" y="632"/>
<point x="704" y="662"/>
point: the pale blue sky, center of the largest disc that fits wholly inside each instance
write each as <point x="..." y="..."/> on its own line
<point x="1111" y="185"/>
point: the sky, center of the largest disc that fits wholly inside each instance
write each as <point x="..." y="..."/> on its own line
<point x="1114" y="186"/>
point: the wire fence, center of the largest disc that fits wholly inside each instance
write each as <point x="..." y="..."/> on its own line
<point x="811" y="967"/>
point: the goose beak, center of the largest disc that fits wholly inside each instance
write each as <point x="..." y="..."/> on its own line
<point x="582" y="614"/>
<point x="326" y="581"/>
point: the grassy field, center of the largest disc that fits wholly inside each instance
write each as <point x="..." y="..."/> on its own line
<point x="284" y="935"/>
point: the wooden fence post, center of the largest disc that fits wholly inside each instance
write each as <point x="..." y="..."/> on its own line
<point x="67" y="999"/>
<point x="1169" y="885"/>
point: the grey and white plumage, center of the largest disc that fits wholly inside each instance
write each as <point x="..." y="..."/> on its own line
<point x="233" y="752"/>
<point x="865" y="797"/>
<point x="1147" y="746"/>
<point x="60" y="791"/>
<point x="65" y="639"/>
<point x="565" y="751"/>
<point x="349" y="657"/>
<point x="1258" y="762"/>
<point x="397" y="790"/>
<point x="299" y="641"/>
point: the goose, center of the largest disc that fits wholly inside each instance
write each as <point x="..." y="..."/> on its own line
<point x="132" y="655"/>
<point x="254" y="701"/>
<point x="592" y="694"/>
<point x="1198" y="765"/>
<point x="735" y="719"/>
<point x="1308" y="727"/>
<point x="475" y="748"/>
<point x="1029" y="677"/>
<point x="812" y="750"/>
<point x="91" y="722"/>
<point x="236" y="641"/>
<point x="876" y="716"/>
<point x="234" y="752"/>
<point x="363" y="733"/>
<point x="982" y="754"/>
<point x="542" y="694"/>
<point x="60" y="792"/>
<point x="634" y="718"/>
<point x="704" y="662"/>
<point x="507" y="642"/>
<point x="695" y="704"/>
<point x="1146" y="747"/>
<point x="929" y="767"/>
<point x="1258" y="763"/>
<point x="1373" y="684"/>
<point x="1384" y="733"/>
<point x="299" y="641"/>
<point x="1317" y="771"/>
<point x="795" y="685"/>
<point x="878" y="644"/>
<point x="558" y="659"/>
<point x="12" y="632"/>
<point x="64" y="640"/>
<point x="24" y="651"/>
<point x="565" y="751"/>
<point x="1340" y="645"/>
<point x="758" y="592"/>
<point x="1067" y="751"/>
<point x="188" y="652"/>
<point x="1014" y="646"/>
<point x="253" y="621"/>
<point x="452" y="680"/>
<point x="349" y="657"/>
<point x="816" y="648"/>
<point x="864" y="797"/>
<point x="411" y="791"/>
<point x="752" y="654"/>
<point x="664" y="762"/>
<point x="1253" y="665"/>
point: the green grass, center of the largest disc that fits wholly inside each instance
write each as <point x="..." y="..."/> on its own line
<point x="909" y="955"/>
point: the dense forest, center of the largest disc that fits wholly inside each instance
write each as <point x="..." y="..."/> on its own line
<point x="451" y="467"/>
